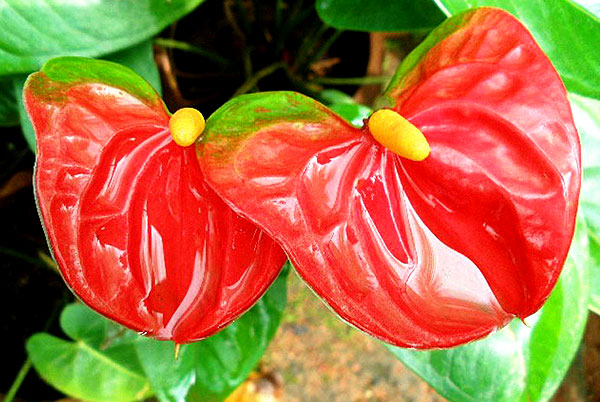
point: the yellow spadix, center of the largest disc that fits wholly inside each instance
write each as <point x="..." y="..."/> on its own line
<point x="398" y="135"/>
<point x="186" y="126"/>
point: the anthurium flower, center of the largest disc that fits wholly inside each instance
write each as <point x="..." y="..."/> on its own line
<point x="135" y="230"/>
<point x="449" y="213"/>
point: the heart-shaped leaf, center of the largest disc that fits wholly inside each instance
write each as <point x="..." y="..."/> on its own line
<point x="567" y="33"/>
<point x="33" y="32"/>
<point x="586" y="112"/>
<point x="380" y="15"/>
<point x="423" y="254"/>
<point x="93" y="367"/>
<point x="135" y="230"/>
<point x="517" y="363"/>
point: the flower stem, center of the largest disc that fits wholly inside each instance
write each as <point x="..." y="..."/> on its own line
<point x="369" y="80"/>
<point x="14" y="388"/>
<point x="259" y="75"/>
<point x="188" y="47"/>
<point x="10" y="395"/>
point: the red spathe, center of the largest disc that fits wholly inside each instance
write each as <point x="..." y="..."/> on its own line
<point x="421" y="254"/>
<point x="135" y="230"/>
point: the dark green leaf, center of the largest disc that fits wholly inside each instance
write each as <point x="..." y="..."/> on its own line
<point x="207" y="371"/>
<point x="517" y="363"/>
<point x="9" y="114"/>
<point x="33" y="32"/>
<point x="566" y="32"/>
<point x="380" y="15"/>
<point x="94" y="367"/>
<point x="139" y="58"/>
<point x="586" y="112"/>
<point x="26" y="126"/>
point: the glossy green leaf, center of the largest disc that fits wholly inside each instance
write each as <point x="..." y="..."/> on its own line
<point x="26" y="126"/>
<point x="139" y="58"/>
<point x="9" y="114"/>
<point x="33" y="32"/>
<point x="586" y="112"/>
<point x="333" y="96"/>
<point x="517" y="363"/>
<point x="81" y="323"/>
<point x="565" y="31"/>
<point x="345" y="106"/>
<point x="93" y="367"/>
<point x="380" y="15"/>
<point x="209" y="370"/>
<point x="593" y="6"/>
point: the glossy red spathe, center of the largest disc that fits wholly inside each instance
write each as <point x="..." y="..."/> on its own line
<point x="135" y="230"/>
<point x="421" y="254"/>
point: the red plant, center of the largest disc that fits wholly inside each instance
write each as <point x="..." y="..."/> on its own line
<point x="428" y="253"/>
<point x="427" y="230"/>
<point x="135" y="230"/>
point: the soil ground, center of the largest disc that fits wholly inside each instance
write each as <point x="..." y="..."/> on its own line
<point x="323" y="359"/>
<point x="320" y="358"/>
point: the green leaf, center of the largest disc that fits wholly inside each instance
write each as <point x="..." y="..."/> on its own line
<point x="380" y="15"/>
<point x="345" y="106"/>
<point x="586" y="113"/>
<point x="34" y="31"/>
<point x="26" y="126"/>
<point x="566" y="32"/>
<point x="139" y="58"/>
<point x="352" y="112"/>
<point x="209" y="370"/>
<point x="593" y="6"/>
<point x="9" y="114"/>
<point x="517" y="363"/>
<point x="83" y="324"/>
<point x="334" y="96"/>
<point x="92" y="367"/>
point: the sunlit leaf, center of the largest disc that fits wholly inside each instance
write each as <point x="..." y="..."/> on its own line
<point x="92" y="367"/>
